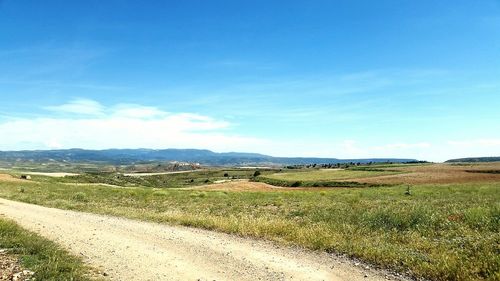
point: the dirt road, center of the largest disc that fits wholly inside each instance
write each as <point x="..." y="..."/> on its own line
<point x="53" y="175"/>
<point x="133" y="250"/>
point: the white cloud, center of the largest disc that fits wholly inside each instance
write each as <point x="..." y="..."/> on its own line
<point x="79" y="106"/>
<point x="474" y="147"/>
<point x="53" y="144"/>
<point x="94" y="126"/>
<point x="88" y="124"/>
<point x="137" y="111"/>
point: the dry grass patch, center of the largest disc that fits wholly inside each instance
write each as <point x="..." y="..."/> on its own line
<point x="436" y="174"/>
<point x="9" y="178"/>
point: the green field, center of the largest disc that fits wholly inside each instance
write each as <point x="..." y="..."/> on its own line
<point x="45" y="258"/>
<point x="327" y="175"/>
<point x="177" y="180"/>
<point x="323" y="177"/>
<point x="441" y="232"/>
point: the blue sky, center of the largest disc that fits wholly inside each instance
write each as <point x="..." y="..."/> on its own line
<point x="343" y="79"/>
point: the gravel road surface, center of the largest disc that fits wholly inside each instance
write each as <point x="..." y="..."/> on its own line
<point x="123" y="249"/>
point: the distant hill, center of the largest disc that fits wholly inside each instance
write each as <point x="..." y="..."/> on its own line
<point x="202" y="156"/>
<point x="474" y="159"/>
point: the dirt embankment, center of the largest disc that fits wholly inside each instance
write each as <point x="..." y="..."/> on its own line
<point x="9" y="178"/>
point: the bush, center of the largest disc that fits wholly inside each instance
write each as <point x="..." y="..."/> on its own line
<point x="80" y="197"/>
<point x="287" y="183"/>
<point x="198" y="195"/>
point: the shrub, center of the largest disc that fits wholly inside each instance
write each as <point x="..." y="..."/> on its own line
<point x="198" y="195"/>
<point x="80" y="197"/>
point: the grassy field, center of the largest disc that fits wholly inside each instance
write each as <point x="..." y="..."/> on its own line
<point x="323" y="177"/>
<point x="158" y="181"/>
<point x="441" y="232"/>
<point x="326" y="175"/>
<point x="45" y="258"/>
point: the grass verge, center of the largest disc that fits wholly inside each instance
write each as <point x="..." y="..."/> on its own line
<point x="45" y="258"/>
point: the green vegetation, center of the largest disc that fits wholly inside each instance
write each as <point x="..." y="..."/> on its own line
<point x="484" y="171"/>
<point x="175" y="180"/>
<point x="326" y="175"/>
<point x="45" y="258"/>
<point x="298" y="183"/>
<point x="90" y="166"/>
<point x="474" y="160"/>
<point x="441" y="232"/>
<point x="54" y="166"/>
<point x="323" y="177"/>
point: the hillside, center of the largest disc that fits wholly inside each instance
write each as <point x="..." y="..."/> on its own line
<point x="474" y="159"/>
<point x="204" y="157"/>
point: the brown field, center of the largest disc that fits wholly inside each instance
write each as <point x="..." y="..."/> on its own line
<point x="9" y="178"/>
<point x="438" y="174"/>
<point x="239" y="185"/>
<point x="419" y="174"/>
<point x="246" y="185"/>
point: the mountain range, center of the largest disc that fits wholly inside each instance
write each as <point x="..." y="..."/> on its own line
<point x="474" y="159"/>
<point x="202" y="156"/>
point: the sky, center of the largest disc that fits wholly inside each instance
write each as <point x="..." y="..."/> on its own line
<point x="344" y="79"/>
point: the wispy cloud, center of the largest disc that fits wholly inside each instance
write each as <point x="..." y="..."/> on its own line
<point x="137" y="111"/>
<point x="79" y="106"/>
<point x="39" y="62"/>
<point x="57" y="84"/>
